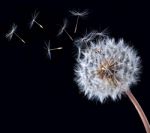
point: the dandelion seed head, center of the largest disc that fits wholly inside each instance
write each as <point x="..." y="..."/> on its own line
<point x="78" y="13"/>
<point x="107" y="68"/>
<point x="9" y="35"/>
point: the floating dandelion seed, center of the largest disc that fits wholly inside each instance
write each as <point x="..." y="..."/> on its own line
<point x="12" y="32"/>
<point x="107" y="69"/>
<point x="90" y="36"/>
<point x="34" y="17"/>
<point x="48" y="48"/>
<point x="63" y="29"/>
<point x="78" y="14"/>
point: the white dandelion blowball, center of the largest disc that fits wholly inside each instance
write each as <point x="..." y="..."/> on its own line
<point x="105" y="68"/>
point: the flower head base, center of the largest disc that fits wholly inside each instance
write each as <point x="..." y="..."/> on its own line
<point x="105" y="68"/>
<point x="107" y="72"/>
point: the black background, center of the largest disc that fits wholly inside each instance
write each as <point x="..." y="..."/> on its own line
<point x="37" y="94"/>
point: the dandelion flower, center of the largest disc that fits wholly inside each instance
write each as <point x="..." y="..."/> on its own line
<point x="78" y="14"/>
<point x="12" y="32"/>
<point x="108" y="68"/>
<point x="34" y="17"/>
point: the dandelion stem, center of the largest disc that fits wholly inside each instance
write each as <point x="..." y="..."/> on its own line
<point x="139" y="110"/>
<point x="38" y="24"/>
<point x="19" y="37"/>
<point x="76" y="26"/>
<point x="68" y="35"/>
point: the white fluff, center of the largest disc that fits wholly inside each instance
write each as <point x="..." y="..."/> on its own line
<point x="91" y="56"/>
<point x="10" y="34"/>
